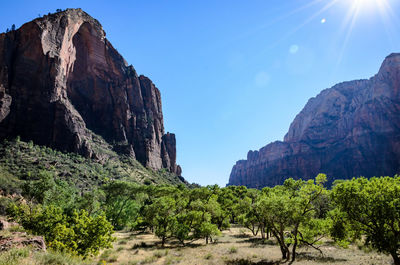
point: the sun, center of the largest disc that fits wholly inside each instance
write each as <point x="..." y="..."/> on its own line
<point x="370" y="5"/>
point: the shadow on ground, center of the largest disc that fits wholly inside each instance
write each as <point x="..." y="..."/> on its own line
<point x="171" y="245"/>
<point x="249" y="262"/>
<point x="319" y="258"/>
<point x="258" y="242"/>
<point x="242" y="236"/>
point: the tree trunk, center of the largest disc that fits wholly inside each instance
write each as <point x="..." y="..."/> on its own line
<point x="206" y="240"/>
<point x="396" y="258"/>
<point x="262" y="232"/>
<point x="296" y="229"/>
<point x="284" y="253"/>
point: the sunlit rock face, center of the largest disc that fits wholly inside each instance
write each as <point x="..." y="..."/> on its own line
<point x="61" y="81"/>
<point x="349" y="130"/>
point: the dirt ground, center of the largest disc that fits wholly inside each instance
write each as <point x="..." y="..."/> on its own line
<point x="234" y="247"/>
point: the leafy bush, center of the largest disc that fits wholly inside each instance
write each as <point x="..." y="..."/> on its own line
<point x="77" y="233"/>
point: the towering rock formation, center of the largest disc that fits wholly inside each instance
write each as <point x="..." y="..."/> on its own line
<point x="351" y="129"/>
<point x="62" y="83"/>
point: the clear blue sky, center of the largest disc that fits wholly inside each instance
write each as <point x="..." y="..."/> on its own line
<point x="233" y="74"/>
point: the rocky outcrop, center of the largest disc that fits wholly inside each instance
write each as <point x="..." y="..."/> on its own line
<point x="349" y="130"/>
<point x="20" y="240"/>
<point x="4" y="225"/>
<point x="62" y="83"/>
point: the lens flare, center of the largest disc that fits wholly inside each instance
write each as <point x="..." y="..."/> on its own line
<point x="366" y="4"/>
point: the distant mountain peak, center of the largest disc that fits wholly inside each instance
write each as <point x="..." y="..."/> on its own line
<point x="349" y="130"/>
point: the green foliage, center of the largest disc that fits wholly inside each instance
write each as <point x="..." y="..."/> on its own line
<point x="250" y="215"/>
<point x="122" y="203"/>
<point x="9" y="184"/>
<point x="291" y="214"/>
<point x="163" y="211"/>
<point x="48" y="190"/>
<point x="372" y="207"/>
<point x="20" y="161"/>
<point x="77" y="233"/>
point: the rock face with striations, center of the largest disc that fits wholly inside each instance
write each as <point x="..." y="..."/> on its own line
<point x="62" y="82"/>
<point x="349" y="130"/>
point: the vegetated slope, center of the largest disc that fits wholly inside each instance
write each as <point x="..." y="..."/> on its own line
<point x="349" y="130"/>
<point x="62" y="85"/>
<point x="21" y="161"/>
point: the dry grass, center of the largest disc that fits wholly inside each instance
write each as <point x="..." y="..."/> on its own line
<point x="234" y="247"/>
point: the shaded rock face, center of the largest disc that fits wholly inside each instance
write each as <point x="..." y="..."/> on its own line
<point x="61" y="81"/>
<point x="349" y="130"/>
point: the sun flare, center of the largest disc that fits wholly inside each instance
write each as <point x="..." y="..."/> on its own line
<point x="369" y="5"/>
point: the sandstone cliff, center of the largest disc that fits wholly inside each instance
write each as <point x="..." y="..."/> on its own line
<point x="62" y="83"/>
<point x="351" y="129"/>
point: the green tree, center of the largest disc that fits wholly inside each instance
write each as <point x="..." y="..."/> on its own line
<point x="121" y="206"/>
<point x="207" y="230"/>
<point x="374" y="207"/>
<point x="250" y="216"/>
<point x="36" y="189"/>
<point x="290" y="212"/>
<point x="162" y="213"/>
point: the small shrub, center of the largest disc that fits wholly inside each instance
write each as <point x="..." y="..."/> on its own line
<point x="140" y="245"/>
<point x="149" y="259"/>
<point x="105" y="254"/>
<point x="158" y="254"/>
<point x="208" y="256"/>
<point x="123" y="242"/>
<point x="120" y="249"/>
<point x="233" y="250"/>
<point x="112" y="259"/>
<point x="16" y="228"/>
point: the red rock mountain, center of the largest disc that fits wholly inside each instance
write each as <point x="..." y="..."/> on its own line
<point x="351" y="129"/>
<point x="62" y="83"/>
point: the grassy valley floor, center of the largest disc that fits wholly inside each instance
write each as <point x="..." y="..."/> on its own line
<point x="235" y="247"/>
